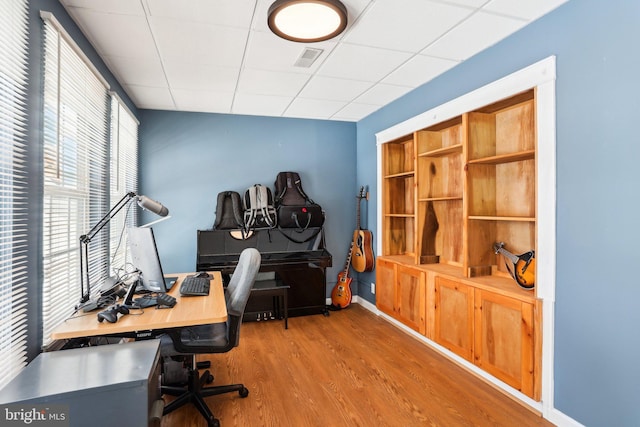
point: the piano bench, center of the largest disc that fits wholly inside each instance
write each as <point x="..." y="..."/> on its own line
<point x="277" y="290"/>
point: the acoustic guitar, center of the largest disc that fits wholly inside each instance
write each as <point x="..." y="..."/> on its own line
<point x="524" y="266"/>
<point x="341" y="293"/>
<point x="362" y="251"/>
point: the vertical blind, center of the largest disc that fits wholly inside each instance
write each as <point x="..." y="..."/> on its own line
<point x="13" y="188"/>
<point x="124" y="179"/>
<point x="76" y="173"/>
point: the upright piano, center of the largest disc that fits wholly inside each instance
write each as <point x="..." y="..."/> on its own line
<point x="297" y="259"/>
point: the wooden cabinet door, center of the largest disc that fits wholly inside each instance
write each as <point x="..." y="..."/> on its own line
<point x="385" y="286"/>
<point x="454" y="316"/>
<point x="504" y="339"/>
<point x="410" y="297"/>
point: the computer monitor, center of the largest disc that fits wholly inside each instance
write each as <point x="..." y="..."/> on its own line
<point x="144" y="257"/>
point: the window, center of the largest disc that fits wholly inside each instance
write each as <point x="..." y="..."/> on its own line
<point x="90" y="158"/>
<point x="124" y="177"/>
<point x="13" y="198"/>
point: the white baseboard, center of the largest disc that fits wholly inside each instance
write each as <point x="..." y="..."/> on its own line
<point x="363" y="302"/>
<point x="369" y="306"/>
<point x="561" y="420"/>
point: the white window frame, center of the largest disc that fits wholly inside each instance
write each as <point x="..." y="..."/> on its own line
<point x="87" y="167"/>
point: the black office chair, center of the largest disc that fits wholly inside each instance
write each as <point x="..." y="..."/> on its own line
<point x="214" y="338"/>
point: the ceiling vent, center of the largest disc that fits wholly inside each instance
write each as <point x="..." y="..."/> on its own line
<point x="308" y="57"/>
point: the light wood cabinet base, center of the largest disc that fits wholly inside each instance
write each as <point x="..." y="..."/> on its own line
<point x="488" y="321"/>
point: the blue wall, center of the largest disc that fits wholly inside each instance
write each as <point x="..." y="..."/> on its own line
<point x="188" y="158"/>
<point x="597" y="374"/>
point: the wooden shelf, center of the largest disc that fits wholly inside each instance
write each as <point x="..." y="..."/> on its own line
<point x="501" y="218"/>
<point x="505" y="158"/>
<point x="445" y="151"/>
<point x="400" y="175"/>
<point x="400" y="259"/>
<point x="458" y="186"/>
<point x="440" y="199"/>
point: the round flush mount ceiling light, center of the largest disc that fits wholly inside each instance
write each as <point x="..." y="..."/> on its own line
<point x="307" y="21"/>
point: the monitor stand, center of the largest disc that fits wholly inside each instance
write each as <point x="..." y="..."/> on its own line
<point x="128" y="299"/>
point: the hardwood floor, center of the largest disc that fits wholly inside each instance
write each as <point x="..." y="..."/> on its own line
<point x="349" y="369"/>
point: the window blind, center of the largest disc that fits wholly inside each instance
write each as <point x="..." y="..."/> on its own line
<point x="124" y="179"/>
<point x="13" y="188"/>
<point x="76" y="179"/>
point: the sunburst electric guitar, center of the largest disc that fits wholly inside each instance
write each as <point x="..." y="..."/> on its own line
<point x="341" y="293"/>
<point x="524" y="266"/>
<point x="361" y="248"/>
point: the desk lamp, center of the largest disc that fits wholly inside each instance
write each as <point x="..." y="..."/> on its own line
<point x="143" y="201"/>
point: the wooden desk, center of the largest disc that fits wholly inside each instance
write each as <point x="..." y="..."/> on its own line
<point x="188" y="311"/>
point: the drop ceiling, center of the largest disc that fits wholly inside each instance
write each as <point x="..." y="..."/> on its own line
<point x="219" y="56"/>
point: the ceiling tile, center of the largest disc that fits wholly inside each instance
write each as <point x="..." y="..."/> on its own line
<point x="267" y="51"/>
<point x="334" y="89"/>
<point x="261" y="105"/>
<point x="474" y="35"/>
<point x="199" y="43"/>
<point x="525" y="9"/>
<point x="313" y="108"/>
<point x="154" y="98"/>
<point x="369" y="64"/>
<point x="124" y="7"/>
<point x="475" y="4"/>
<point x="409" y="25"/>
<point x="202" y="100"/>
<point x="355" y="9"/>
<point x="382" y="94"/>
<point x="137" y="71"/>
<point x="234" y="13"/>
<point x="183" y="75"/>
<point x="355" y="111"/>
<point x="132" y="39"/>
<point x="260" y="16"/>
<point x="261" y="82"/>
<point x="419" y="70"/>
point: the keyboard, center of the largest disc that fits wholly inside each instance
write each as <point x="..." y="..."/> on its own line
<point x="194" y="286"/>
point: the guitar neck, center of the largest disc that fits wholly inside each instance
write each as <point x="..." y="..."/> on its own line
<point x="358" y="200"/>
<point x="346" y="266"/>
<point x="359" y="197"/>
<point x="513" y="258"/>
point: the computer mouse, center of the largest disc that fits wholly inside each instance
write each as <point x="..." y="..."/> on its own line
<point x="108" y="315"/>
<point x="203" y="274"/>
